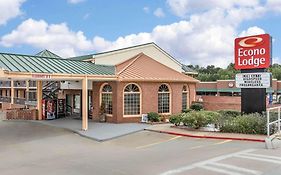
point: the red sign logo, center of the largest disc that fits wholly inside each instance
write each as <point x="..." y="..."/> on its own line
<point x="253" y="52"/>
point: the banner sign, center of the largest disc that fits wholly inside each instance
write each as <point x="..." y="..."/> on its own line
<point x="253" y="80"/>
<point x="252" y="52"/>
<point x="41" y="76"/>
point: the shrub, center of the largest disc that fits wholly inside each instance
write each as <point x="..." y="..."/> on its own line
<point x="194" y="120"/>
<point x="229" y="113"/>
<point x="186" y="110"/>
<point x="246" y="124"/>
<point x="153" y="117"/>
<point x="176" y="119"/>
<point x="196" y="106"/>
<point x="211" y="117"/>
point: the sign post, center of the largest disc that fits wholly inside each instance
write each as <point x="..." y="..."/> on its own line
<point x="252" y="57"/>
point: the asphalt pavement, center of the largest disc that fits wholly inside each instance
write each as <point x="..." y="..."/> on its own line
<point x="33" y="148"/>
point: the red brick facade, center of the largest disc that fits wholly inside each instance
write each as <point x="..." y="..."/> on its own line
<point x="149" y="99"/>
<point x="214" y="103"/>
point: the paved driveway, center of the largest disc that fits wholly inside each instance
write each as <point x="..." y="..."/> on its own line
<point x="33" y="148"/>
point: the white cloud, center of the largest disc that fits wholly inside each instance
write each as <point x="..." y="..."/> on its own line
<point x="56" y="37"/>
<point x="182" y="7"/>
<point x="252" y="31"/>
<point x="274" y="5"/>
<point x="146" y="9"/>
<point x="159" y="13"/>
<point x="75" y="1"/>
<point x="205" y="38"/>
<point x="9" y="9"/>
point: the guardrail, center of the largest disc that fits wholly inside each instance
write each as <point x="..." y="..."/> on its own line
<point x="270" y="123"/>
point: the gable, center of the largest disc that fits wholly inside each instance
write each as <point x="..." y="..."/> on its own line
<point x="151" y="50"/>
<point x="143" y="68"/>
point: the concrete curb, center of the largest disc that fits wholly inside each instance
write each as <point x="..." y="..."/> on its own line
<point x="207" y="137"/>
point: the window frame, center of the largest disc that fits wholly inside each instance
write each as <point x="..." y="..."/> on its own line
<point x="140" y="100"/>
<point x="170" y="99"/>
<point x="187" y="96"/>
<point x="101" y="93"/>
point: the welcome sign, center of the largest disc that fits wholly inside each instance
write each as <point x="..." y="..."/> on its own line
<point x="253" y="52"/>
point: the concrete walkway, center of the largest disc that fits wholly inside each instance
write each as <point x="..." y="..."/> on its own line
<point x="169" y="129"/>
<point x="96" y="131"/>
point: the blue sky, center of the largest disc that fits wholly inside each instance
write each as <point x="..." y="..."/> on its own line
<point x="193" y="31"/>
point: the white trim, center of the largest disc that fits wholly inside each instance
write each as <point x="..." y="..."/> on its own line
<point x="170" y="98"/>
<point x="123" y="94"/>
<point x="100" y="94"/>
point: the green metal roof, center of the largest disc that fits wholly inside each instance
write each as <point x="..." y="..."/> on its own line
<point x="39" y="64"/>
<point x="206" y="90"/>
<point x="229" y="90"/>
<point x="47" y="53"/>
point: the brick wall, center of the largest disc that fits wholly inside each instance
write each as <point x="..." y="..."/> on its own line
<point x="214" y="103"/>
<point x="149" y="91"/>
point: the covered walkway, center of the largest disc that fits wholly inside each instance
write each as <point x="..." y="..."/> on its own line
<point x="41" y="68"/>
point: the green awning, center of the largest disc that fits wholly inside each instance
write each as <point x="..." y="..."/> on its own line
<point x="39" y="64"/>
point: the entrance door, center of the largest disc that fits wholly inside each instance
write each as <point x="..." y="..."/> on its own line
<point x="77" y="104"/>
<point x="68" y="104"/>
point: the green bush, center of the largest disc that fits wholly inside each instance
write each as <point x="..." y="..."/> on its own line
<point x="212" y="117"/>
<point x="246" y="124"/>
<point x="176" y="119"/>
<point x="186" y="110"/>
<point x="153" y="117"/>
<point x="196" y="106"/>
<point x="194" y="120"/>
<point x="229" y="113"/>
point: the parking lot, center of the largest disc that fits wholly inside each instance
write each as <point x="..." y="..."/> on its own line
<point x="33" y="148"/>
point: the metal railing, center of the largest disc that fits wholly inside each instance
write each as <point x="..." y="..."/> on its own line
<point x="20" y="101"/>
<point x="273" y="123"/>
<point x="5" y="99"/>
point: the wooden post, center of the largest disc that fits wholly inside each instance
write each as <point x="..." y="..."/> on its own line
<point x="27" y="90"/>
<point x="39" y="85"/>
<point x="12" y="92"/>
<point x="85" y="104"/>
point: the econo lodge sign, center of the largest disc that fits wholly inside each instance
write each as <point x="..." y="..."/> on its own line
<point x="253" y="52"/>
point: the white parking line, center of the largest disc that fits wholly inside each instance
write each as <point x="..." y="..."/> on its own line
<point x="263" y="156"/>
<point x="259" y="159"/>
<point x="236" y="168"/>
<point x="204" y="163"/>
<point x="220" y="170"/>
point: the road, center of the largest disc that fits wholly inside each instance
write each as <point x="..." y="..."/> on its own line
<point x="30" y="148"/>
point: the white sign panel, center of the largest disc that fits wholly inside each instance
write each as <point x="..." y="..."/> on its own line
<point x="253" y="80"/>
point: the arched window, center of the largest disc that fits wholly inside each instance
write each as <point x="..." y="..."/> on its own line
<point x="163" y="99"/>
<point x="131" y="100"/>
<point x="106" y="98"/>
<point x="184" y="97"/>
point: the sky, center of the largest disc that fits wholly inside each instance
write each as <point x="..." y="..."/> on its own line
<point x="198" y="32"/>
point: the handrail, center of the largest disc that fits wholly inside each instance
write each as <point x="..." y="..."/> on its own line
<point x="278" y="121"/>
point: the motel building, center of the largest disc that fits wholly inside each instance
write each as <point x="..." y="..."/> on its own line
<point x="223" y="94"/>
<point x="123" y="84"/>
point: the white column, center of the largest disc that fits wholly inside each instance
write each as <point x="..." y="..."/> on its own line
<point x="85" y="104"/>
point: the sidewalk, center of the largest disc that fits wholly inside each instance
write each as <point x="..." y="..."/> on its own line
<point x="166" y="128"/>
<point x="97" y="131"/>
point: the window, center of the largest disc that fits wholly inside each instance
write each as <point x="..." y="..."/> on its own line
<point x="163" y="99"/>
<point x="32" y="96"/>
<point x="17" y="93"/>
<point x="106" y="98"/>
<point x="131" y="100"/>
<point x="184" y="98"/>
